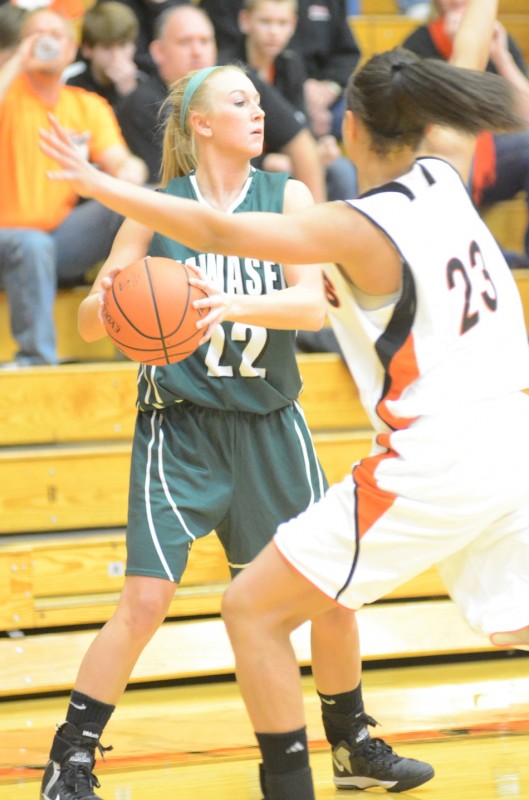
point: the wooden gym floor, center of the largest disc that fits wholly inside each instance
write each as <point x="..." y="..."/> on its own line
<point x="469" y="719"/>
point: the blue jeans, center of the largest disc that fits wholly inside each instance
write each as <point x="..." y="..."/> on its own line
<point x="512" y="171"/>
<point x="34" y="262"/>
<point x="28" y="276"/>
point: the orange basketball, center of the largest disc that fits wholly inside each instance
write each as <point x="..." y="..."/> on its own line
<point x="148" y="311"/>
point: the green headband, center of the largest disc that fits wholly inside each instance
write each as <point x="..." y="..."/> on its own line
<point x="196" y="81"/>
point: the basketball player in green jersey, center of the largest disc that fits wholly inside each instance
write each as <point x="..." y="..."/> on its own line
<point x="220" y="441"/>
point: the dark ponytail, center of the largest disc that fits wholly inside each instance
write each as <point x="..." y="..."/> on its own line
<point x="397" y="95"/>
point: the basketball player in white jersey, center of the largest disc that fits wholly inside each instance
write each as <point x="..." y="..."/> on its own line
<point x="431" y="324"/>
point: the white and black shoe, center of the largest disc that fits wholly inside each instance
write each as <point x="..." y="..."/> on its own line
<point x="371" y="762"/>
<point x="69" y="774"/>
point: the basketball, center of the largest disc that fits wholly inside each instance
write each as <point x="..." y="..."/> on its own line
<point x="148" y="311"/>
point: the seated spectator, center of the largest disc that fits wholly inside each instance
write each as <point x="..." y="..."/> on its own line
<point x="185" y="41"/>
<point x="501" y="164"/>
<point x="148" y="12"/>
<point x="324" y="40"/>
<point x="46" y="236"/>
<point x="108" y="47"/>
<point x="267" y="27"/>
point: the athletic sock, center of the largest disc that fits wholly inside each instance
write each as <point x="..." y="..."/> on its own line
<point x="285" y="773"/>
<point x="84" y="709"/>
<point x="284" y="752"/>
<point x="288" y="786"/>
<point x="342" y="715"/>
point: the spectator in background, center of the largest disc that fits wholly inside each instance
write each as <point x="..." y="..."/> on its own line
<point x="45" y="235"/>
<point x="501" y="164"/>
<point x="108" y="47"/>
<point x="267" y="27"/>
<point x="148" y="12"/>
<point x="185" y="41"/>
<point x="324" y="40"/>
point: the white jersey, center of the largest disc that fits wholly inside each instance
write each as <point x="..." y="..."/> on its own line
<point x="456" y="333"/>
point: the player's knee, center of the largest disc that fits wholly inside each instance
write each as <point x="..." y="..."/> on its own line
<point x="34" y="252"/>
<point x="229" y="608"/>
<point x="341" y="618"/>
<point x="144" y="610"/>
<point x="235" y="606"/>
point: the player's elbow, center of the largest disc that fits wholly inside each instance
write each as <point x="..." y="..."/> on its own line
<point x="316" y="314"/>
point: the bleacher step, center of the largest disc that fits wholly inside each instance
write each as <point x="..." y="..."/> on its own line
<point x="191" y="649"/>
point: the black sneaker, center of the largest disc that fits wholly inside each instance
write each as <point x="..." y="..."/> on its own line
<point x="69" y="773"/>
<point x="372" y="762"/>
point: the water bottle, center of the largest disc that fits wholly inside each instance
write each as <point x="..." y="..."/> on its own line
<point x="46" y="48"/>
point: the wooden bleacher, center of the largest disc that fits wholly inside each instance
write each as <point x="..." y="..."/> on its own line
<point x="65" y="434"/>
<point x="378" y="32"/>
<point x="380" y="27"/>
<point x="507" y="221"/>
<point x="196" y="648"/>
<point x="70" y="344"/>
<point x="65" y="437"/>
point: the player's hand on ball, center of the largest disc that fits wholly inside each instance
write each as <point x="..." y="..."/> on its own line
<point x="80" y="174"/>
<point x="106" y="283"/>
<point x="218" y="303"/>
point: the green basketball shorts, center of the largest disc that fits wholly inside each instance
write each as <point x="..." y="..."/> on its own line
<point x="196" y="469"/>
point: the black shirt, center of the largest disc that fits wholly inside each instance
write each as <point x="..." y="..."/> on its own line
<point x="86" y="80"/>
<point x="289" y="73"/>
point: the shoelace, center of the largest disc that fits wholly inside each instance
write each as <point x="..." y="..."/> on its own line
<point x="377" y="749"/>
<point x="103" y="750"/>
<point x="366" y="720"/>
<point x="80" y="777"/>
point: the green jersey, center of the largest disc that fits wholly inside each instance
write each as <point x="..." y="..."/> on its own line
<point x="243" y="367"/>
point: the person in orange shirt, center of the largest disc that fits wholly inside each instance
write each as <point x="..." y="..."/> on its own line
<point x="46" y="235"/>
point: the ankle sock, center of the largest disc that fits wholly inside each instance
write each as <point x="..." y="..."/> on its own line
<point x="339" y="714"/>
<point x="84" y="709"/>
<point x="289" y="786"/>
<point x="284" y="752"/>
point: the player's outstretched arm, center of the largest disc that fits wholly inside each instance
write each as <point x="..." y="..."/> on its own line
<point x="313" y="236"/>
<point x="85" y="179"/>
